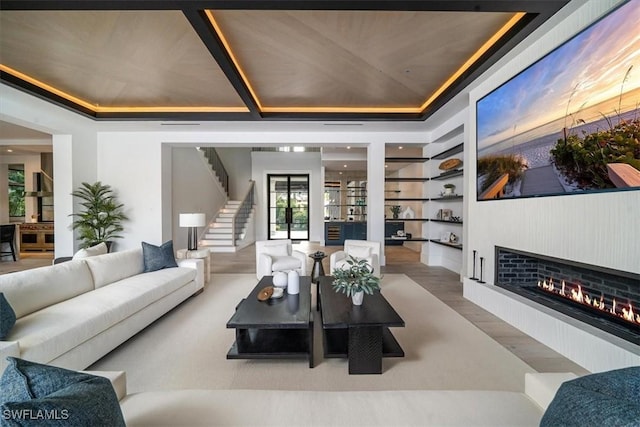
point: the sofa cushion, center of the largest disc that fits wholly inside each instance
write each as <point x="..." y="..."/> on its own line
<point x="99" y="249"/>
<point x="83" y="317"/>
<point x="343" y="264"/>
<point x="158" y="257"/>
<point x="360" y="252"/>
<point x="32" y="290"/>
<point x="7" y="317"/>
<point x="281" y="263"/>
<point x="276" y="249"/>
<point x="603" y="399"/>
<point x="46" y="395"/>
<point x="115" y="266"/>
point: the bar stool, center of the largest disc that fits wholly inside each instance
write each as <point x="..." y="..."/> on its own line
<point x="8" y="235"/>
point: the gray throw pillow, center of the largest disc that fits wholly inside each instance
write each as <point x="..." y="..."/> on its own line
<point x="7" y="317"/>
<point x="41" y="395"/>
<point x="158" y="257"/>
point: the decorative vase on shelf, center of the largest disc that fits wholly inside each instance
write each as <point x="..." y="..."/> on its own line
<point x="293" y="283"/>
<point x="280" y="279"/>
<point x="357" y="298"/>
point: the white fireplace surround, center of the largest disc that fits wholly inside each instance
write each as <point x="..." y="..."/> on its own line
<point x="590" y="347"/>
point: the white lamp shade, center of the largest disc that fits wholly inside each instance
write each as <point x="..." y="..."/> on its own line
<point x="192" y="220"/>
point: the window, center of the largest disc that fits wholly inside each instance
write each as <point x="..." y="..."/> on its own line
<point x="16" y="191"/>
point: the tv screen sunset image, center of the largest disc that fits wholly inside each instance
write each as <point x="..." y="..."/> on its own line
<point x="569" y="123"/>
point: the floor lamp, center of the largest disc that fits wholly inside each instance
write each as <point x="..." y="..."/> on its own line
<point x="192" y="221"/>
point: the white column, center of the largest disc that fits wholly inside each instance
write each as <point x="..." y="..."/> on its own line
<point x="63" y="201"/>
<point x="375" y="195"/>
<point x="4" y="193"/>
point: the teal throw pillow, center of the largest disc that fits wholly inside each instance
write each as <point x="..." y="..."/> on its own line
<point x="158" y="257"/>
<point x="7" y="317"/>
<point x="605" y="399"/>
<point x="41" y="395"/>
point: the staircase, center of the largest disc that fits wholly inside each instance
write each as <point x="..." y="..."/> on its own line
<point x="232" y="229"/>
<point x="219" y="238"/>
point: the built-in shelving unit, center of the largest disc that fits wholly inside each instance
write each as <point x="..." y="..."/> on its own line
<point x="445" y="207"/>
<point x="407" y="190"/>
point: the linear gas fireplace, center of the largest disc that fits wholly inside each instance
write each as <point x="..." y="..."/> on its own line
<point x="602" y="297"/>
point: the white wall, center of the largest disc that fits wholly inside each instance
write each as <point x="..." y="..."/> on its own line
<point x="4" y="192"/>
<point x="237" y="162"/>
<point x="598" y="229"/>
<point x="131" y="163"/>
<point x="193" y="189"/>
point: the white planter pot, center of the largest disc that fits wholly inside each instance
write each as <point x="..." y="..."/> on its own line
<point x="357" y="298"/>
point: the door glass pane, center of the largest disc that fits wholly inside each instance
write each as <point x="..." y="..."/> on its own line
<point x="299" y="202"/>
<point x="289" y="192"/>
<point x="278" y="199"/>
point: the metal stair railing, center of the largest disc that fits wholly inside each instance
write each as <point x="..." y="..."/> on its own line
<point x="241" y="216"/>
<point x="216" y="164"/>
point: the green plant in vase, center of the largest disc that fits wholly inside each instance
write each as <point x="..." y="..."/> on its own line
<point x="356" y="279"/>
<point x="395" y="210"/>
<point x="101" y="219"/>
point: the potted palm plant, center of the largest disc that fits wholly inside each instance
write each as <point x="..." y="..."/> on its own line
<point x="101" y="219"/>
<point x="355" y="280"/>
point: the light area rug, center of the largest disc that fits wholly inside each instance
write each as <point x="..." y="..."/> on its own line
<point x="186" y="349"/>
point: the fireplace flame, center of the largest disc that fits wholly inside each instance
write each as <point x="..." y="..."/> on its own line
<point x="575" y="293"/>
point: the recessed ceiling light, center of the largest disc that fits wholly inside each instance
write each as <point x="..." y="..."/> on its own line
<point x="345" y="166"/>
<point x="9" y="150"/>
<point x="340" y="173"/>
<point x="386" y="166"/>
<point x="348" y="147"/>
<point x="400" y="148"/>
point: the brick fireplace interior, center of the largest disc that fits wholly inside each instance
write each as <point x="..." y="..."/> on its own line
<point x="604" y="298"/>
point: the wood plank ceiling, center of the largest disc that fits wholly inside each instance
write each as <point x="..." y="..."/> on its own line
<point x="257" y="60"/>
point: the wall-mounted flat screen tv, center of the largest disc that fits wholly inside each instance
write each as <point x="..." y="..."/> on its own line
<point x="569" y="123"/>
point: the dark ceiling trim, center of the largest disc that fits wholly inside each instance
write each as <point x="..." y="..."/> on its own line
<point x="536" y="6"/>
<point x="208" y="35"/>
<point x="41" y="93"/>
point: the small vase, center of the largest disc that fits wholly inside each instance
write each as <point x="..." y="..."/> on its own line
<point x="293" y="283"/>
<point x="357" y="298"/>
<point x="280" y="279"/>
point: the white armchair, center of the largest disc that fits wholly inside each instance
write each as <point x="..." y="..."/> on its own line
<point x="359" y="249"/>
<point x="278" y="255"/>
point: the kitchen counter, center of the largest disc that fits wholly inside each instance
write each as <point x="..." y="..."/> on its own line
<point x="36" y="236"/>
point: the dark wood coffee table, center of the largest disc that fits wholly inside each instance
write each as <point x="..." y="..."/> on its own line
<point x="359" y="333"/>
<point x="274" y="329"/>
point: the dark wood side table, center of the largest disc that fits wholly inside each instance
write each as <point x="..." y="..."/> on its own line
<point x="318" y="269"/>
<point x="359" y="333"/>
<point x="316" y="272"/>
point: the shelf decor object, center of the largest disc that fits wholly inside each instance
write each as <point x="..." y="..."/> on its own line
<point x="474" y="266"/>
<point x="481" y="270"/>
<point x="450" y="164"/>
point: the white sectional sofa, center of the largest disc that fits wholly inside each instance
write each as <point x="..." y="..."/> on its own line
<point x="338" y="408"/>
<point x="71" y="314"/>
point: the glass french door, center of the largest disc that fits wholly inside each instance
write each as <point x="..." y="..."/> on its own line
<point x="288" y="213"/>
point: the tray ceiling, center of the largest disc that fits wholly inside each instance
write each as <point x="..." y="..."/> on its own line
<point x="240" y="61"/>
